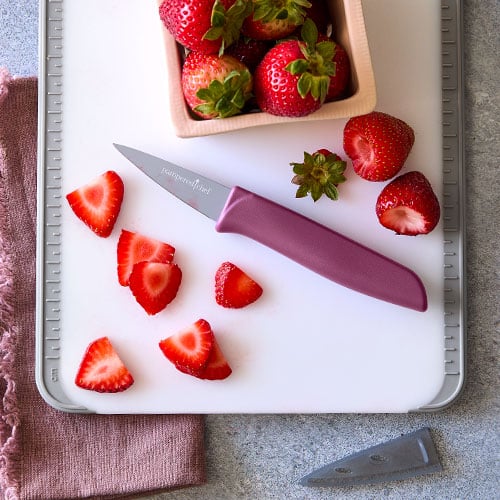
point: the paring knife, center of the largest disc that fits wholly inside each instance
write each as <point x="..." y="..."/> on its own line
<point x="303" y="240"/>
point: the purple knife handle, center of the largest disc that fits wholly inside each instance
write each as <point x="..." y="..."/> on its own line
<point x="320" y="249"/>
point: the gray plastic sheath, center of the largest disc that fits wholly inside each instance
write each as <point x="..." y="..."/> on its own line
<point x="320" y="249"/>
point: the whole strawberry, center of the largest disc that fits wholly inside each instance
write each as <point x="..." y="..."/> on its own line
<point x="339" y="81"/>
<point x="293" y="78"/>
<point x="207" y="26"/>
<point x="319" y="13"/>
<point x="378" y="145"/>
<point x="249" y="52"/>
<point x="320" y="173"/>
<point x="408" y="205"/>
<point x="274" y="19"/>
<point x="215" y="86"/>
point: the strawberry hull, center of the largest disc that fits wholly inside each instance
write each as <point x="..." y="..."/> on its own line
<point x="349" y="28"/>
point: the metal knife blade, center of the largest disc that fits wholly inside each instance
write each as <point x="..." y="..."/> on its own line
<point x="303" y="240"/>
<point x="410" y="455"/>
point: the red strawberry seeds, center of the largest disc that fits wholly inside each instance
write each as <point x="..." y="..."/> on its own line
<point x="98" y="203"/>
<point x="102" y="370"/>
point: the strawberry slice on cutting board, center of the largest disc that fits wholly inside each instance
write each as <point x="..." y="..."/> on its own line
<point x="195" y="351"/>
<point x="98" y="202"/>
<point x="190" y="348"/>
<point x="217" y="367"/>
<point x="133" y="248"/>
<point x="155" y="284"/>
<point x="234" y="289"/>
<point x="102" y="370"/>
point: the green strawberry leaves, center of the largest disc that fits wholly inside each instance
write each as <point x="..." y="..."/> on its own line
<point x="226" y="98"/>
<point x="317" y="66"/>
<point x="269" y="10"/>
<point x="320" y="173"/>
<point x="226" y="24"/>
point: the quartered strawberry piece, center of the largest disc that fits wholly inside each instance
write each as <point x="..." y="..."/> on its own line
<point x="234" y="288"/>
<point x="134" y="247"/>
<point x="102" y="370"/>
<point x="155" y="284"/>
<point x="217" y="366"/>
<point x="98" y="203"/>
<point x="189" y="349"/>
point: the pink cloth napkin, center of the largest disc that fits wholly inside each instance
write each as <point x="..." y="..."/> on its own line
<point x="44" y="453"/>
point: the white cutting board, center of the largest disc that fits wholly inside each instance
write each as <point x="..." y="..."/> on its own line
<point x="308" y="345"/>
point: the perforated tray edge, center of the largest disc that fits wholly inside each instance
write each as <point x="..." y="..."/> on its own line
<point x="49" y="196"/>
<point x="453" y="207"/>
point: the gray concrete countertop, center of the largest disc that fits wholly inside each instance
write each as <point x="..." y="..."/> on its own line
<point x="263" y="456"/>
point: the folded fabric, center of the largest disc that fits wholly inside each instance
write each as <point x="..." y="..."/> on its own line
<point x="45" y="453"/>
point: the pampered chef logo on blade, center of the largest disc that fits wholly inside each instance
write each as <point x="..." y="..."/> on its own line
<point x="195" y="184"/>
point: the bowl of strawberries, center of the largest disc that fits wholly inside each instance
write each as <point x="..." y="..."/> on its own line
<point x="234" y="64"/>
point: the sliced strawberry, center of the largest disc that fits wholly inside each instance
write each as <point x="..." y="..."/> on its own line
<point x="98" y="203"/>
<point x="217" y="366"/>
<point x="102" y="370"/>
<point x="378" y="145"/>
<point x="134" y="247"/>
<point x="155" y="284"/>
<point x="408" y="205"/>
<point x="234" y="288"/>
<point x="190" y="348"/>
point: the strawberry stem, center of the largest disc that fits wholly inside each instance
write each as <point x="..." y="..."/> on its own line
<point x="226" y="24"/>
<point x="317" y="66"/>
<point x="226" y="98"/>
<point x="319" y="174"/>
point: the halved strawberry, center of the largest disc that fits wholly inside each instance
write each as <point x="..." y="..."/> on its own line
<point x="155" y="284"/>
<point x="102" y="370"/>
<point x="408" y="205"/>
<point x="378" y="145"/>
<point x="98" y="203"/>
<point x="134" y="247"/>
<point x="189" y="349"/>
<point x="234" y="288"/>
<point x="217" y="366"/>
